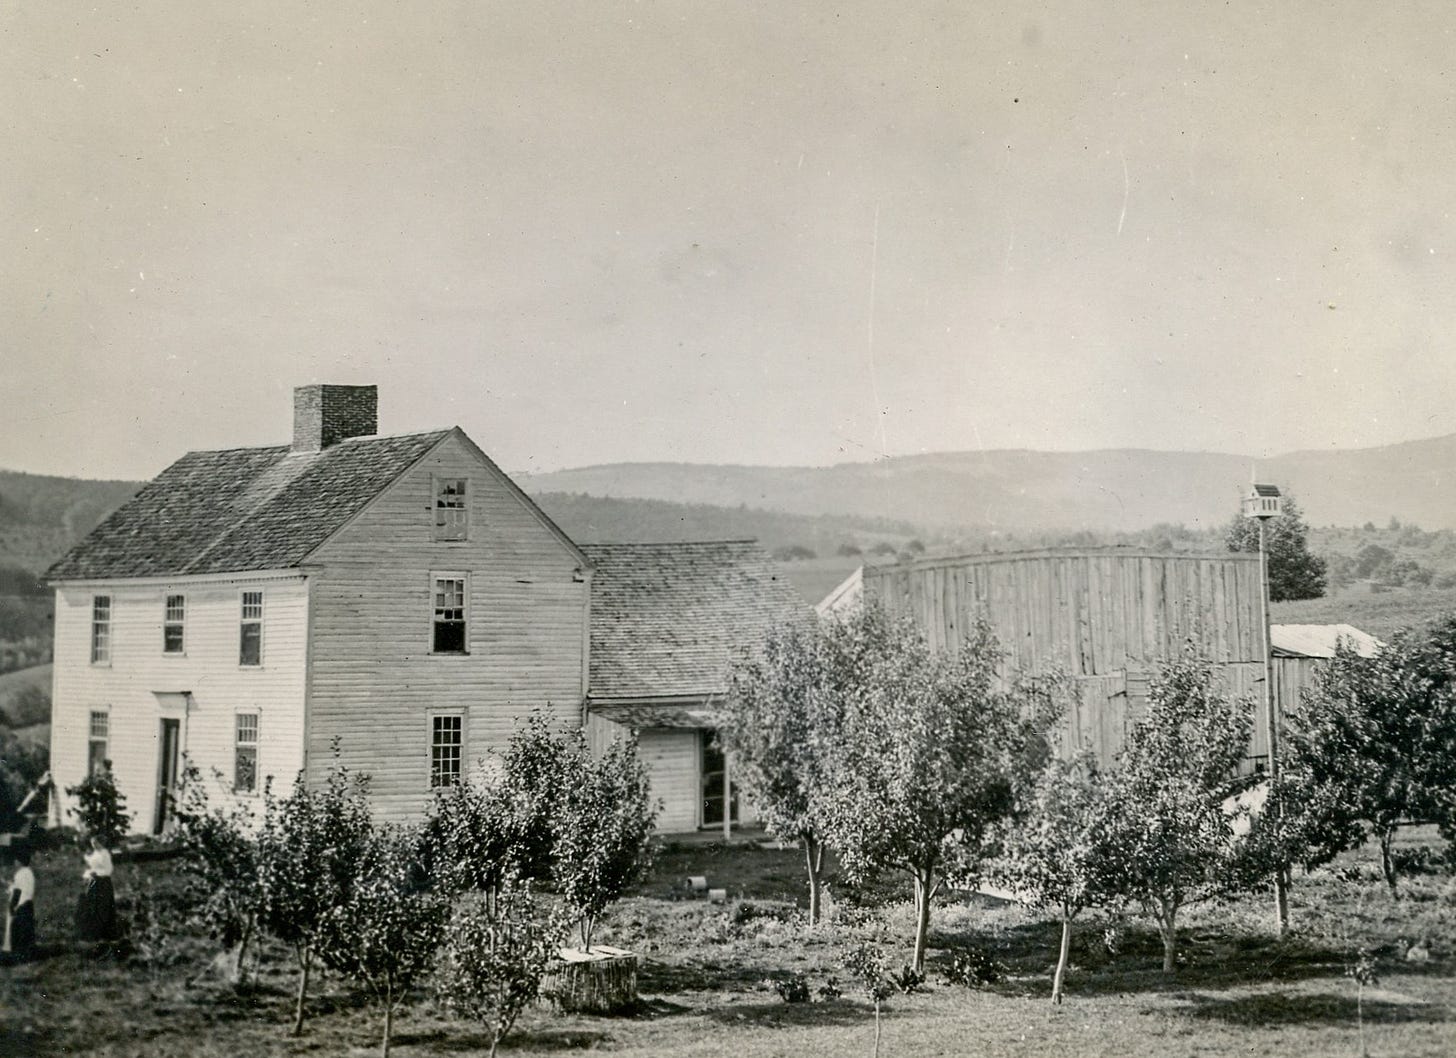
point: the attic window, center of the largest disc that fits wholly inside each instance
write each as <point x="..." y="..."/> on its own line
<point x="452" y="512"/>
<point x="172" y="622"/>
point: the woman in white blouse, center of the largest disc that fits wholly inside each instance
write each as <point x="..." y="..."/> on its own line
<point x="96" y="908"/>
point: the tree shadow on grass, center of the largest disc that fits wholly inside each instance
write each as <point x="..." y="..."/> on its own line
<point x="700" y="975"/>
<point x="451" y="1041"/>
<point x="791" y="1015"/>
<point x="1276" y="1009"/>
<point x="1206" y="960"/>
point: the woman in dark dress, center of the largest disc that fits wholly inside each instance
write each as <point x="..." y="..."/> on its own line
<point x="96" y="907"/>
<point x="20" y="909"/>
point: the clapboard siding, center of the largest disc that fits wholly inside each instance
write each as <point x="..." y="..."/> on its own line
<point x="374" y="683"/>
<point x="127" y="687"/>
<point x="1107" y="617"/>
<point x="674" y="758"/>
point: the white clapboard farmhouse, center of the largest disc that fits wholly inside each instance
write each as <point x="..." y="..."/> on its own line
<point x="399" y="597"/>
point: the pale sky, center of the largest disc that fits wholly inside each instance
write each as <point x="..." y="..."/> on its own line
<point x="781" y="233"/>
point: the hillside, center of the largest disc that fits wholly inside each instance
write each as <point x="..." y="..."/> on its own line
<point x="40" y="517"/>
<point x="1115" y="490"/>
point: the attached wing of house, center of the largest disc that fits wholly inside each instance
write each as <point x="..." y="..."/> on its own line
<point x="666" y="621"/>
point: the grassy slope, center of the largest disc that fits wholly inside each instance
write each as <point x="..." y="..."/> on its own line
<point x="1379" y="613"/>
<point x="1240" y="992"/>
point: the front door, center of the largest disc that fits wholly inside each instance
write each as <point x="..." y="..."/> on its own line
<point x="167" y="771"/>
<point x="715" y="795"/>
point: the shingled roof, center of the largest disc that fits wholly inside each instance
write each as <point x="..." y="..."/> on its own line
<point x="665" y="618"/>
<point x="241" y="509"/>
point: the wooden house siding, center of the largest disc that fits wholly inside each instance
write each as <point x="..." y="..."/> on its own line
<point x="1107" y="617"/>
<point x="127" y="687"/>
<point x="674" y="764"/>
<point x="374" y="682"/>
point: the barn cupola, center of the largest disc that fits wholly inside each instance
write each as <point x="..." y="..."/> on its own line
<point x="326" y="415"/>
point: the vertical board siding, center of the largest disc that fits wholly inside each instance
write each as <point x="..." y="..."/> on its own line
<point x="138" y="670"/>
<point x="374" y="680"/>
<point x="674" y="760"/>
<point x="1107" y="617"/>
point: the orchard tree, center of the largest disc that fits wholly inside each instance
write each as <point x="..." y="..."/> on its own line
<point x="1373" y="745"/>
<point x="784" y="703"/>
<point x="468" y="839"/>
<point x="1059" y="851"/>
<point x="385" y="932"/>
<point x="495" y="956"/>
<point x="101" y="807"/>
<point x="602" y="829"/>
<point x="927" y="761"/>
<point x="1174" y="842"/>
<point x="311" y="850"/>
<point x="220" y="858"/>
<point x="1294" y="572"/>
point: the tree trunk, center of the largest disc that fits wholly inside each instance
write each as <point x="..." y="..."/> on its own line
<point x="922" y="915"/>
<point x="242" y="952"/>
<point x="814" y="857"/>
<point x="1387" y="856"/>
<point x="303" y="961"/>
<point x="877" y="1029"/>
<point x="1168" y="927"/>
<point x="388" y="1017"/>
<point x="1062" y="956"/>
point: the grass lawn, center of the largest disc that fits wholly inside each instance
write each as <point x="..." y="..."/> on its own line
<point x="706" y="968"/>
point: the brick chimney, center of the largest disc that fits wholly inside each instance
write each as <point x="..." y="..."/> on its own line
<point x="325" y="415"/>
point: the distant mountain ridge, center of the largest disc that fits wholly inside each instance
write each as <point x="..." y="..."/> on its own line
<point x="1118" y="490"/>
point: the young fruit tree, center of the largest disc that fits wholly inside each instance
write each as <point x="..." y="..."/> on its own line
<point x="220" y="858"/>
<point x="495" y="956"/>
<point x="604" y="818"/>
<point x="927" y="760"/>
<point x="1372" y="745"/>
<point x="388" y="928"/>
<point x="1174" y="841"/>
<point x="310" y="850"/>
<point x="468" y="839"/>
<point x="783" y="700"/>
<point x="101" y="807"/>
<point x="1058" y="852"/>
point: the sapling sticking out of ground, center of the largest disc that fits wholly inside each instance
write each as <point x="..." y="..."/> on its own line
<point x="1362" y="970"/>
<point x="866" y="965"/>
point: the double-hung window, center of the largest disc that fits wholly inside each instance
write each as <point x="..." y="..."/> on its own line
<point x="245" y="753"/>
<point x="452" y="511"/>
<point x="172" y="623"/>
<point x="447" y="744"/>
<point x="250" y="643"/>
<point x="448" y="627"/>
<point x="98" y="738"/>
<point x="100" y="629"/>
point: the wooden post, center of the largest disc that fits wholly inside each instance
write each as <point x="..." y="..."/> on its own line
<point x="1271" y="731"/>
<point x="727" y="796"/>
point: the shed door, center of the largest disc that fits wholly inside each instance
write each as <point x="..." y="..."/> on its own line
<point x="671" y="756"/>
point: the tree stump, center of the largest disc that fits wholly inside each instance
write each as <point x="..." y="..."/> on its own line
<point x="601" y="981"/>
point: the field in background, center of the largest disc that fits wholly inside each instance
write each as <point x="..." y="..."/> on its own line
<point x="708" y="968"/>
